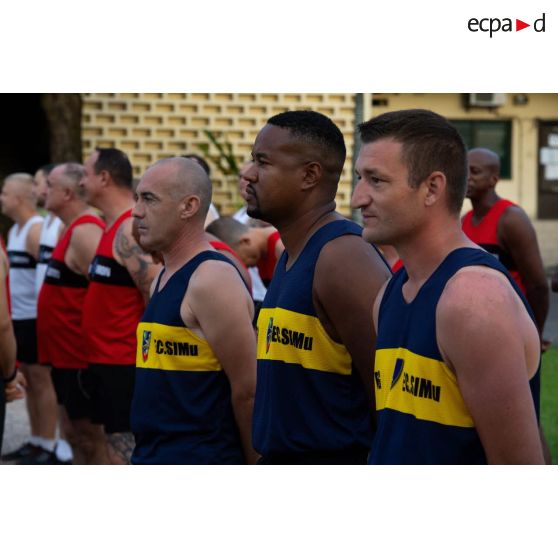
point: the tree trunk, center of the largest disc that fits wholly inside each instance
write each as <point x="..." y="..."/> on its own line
<point x="63" y="112"/>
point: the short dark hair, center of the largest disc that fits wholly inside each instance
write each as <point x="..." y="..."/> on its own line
<point x="429" y="143"/>
<point x="116" y="163"/>
<point x="316" y="128"/>
<point x="201" y="161"/>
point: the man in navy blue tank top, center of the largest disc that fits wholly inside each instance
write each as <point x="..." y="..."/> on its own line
<point x="314" y="397"/>
<point x="457" y="362"/>
<point x="196" y="352"/>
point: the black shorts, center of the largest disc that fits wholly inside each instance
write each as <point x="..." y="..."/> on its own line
<point x="26" y="338"/>
<point x="71" y="393"/>
<point x="111" y="387"/>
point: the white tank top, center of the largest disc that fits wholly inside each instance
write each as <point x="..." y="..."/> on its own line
<point x="22" y="272"/>
<point x="47" y="242"/>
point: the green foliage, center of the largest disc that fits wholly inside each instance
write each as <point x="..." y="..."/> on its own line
<point x="225" y="160"/>
<point x="549" y="400"/>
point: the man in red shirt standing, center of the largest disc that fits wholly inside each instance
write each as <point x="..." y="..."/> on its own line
<point x="60" y="308"/>
<point x="503" y="229"/>
<point x="121" y="274"/>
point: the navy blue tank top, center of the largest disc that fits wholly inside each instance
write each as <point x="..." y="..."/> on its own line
<point x="422" y="418"/>
<point x="308" y="397"/>
<point x="181" y="409"/>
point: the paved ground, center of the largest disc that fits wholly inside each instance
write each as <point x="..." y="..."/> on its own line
<point x="17" y="426"/>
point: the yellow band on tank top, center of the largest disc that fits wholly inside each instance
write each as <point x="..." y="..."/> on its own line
<point x="423" y="387"/>
<point x="163" y="347"/>
<point x="294" y="338"/>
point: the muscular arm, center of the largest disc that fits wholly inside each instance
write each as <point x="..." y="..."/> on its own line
<point x="140" y="265"/>
<point x="7" y="339"/>
<point x="33" y="238"/>
<point x="488" y="339"/>
<point x="349" y="274"/>
<point x="83" y="244"/>
<point x="220" y="304"/>
<point x="517" y="235"/>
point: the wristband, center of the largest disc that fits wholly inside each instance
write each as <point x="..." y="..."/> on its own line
<point x="11" y="378"/>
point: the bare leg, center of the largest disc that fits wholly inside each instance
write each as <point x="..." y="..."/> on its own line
<point x="41" y="401"/>
<point x="88" y="440"/>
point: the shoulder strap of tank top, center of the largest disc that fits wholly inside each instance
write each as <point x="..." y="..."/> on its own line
<point x="206" y="255"/>
<point x="30" y="222"/>
<point x="329" y="231"/>
<point x="114" y="227"/>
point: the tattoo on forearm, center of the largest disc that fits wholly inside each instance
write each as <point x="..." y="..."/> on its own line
<point x="128" y="249"/>
<point x="121" y="444"/>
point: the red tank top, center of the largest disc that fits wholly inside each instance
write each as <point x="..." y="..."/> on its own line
<point x="3" y="247"/>
<point x="485" y="234"/>
<point x="266" y="266"/>
<point x="60" y="306"/>
<point x="113" y="306"/>
<point x="219" y="245"/>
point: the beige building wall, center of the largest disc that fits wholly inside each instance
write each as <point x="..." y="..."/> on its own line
<point x="150" y="126"/>
<point x="522" y="187"/>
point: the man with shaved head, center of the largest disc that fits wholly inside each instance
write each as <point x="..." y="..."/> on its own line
<point x="503" y="229"/>
<point x="120" y="276"/>
<point x="314" y="399"/>
<point x="19" y="203"/>
<point x="195" y="363"/>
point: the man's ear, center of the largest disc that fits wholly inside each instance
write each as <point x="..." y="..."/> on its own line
<point x="435" y="188"/>
<point x="245" y="240"/>
<point x="189" y="206"/>
<point x="104" y="175"/>
<point x="312" y="174"/>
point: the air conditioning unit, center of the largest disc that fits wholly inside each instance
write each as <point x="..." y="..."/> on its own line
<point x="486" y="99"/>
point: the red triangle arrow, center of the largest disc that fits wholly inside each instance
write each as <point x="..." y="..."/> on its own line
<point x="519" y="25"/>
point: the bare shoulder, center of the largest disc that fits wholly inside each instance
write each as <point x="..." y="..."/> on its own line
<point x="480" y="308"/>
<point x="515" y="219"/>
<point x="212" y="276"/>
<point x="215" y="292"/>
<point x="350" y="252"/>
<point x="476" y="291"/>
<point x="85" y="232"/>
<point x="35" y="231"/>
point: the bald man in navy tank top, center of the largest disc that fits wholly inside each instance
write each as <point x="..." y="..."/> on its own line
<point x="195" y="360"/>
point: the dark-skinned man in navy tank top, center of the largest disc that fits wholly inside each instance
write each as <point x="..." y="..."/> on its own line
<point x="314" y="399"/>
